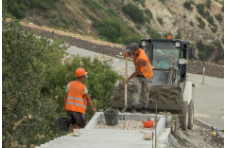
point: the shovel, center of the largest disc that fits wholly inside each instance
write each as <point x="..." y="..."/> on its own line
<point x="125" y="92"/>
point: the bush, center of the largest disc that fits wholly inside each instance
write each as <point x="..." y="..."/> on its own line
<point x="205" y="51"/>
<point x="208" y="4"/>
<point x="201" y="10"/>
<point x="153" y="33"/>
<point x="210" y="20"/>
<point x="213" y="28"/>
<point x="109" y="29"/>
<point x="160" y="20"/>
<point x="202" y="24"/>
<point x="148" y="13"/>
<point x="187" y="5"/>
<point x="191" y="23"/>
<point x="220" y="55"/>
<point x="147" y="19"/>
<point x="134" y="12"/>
<point x="19" y="8"/>
<point x="219" y="17"/>
<point x="25" y="60"/>
<point x="128" y="40"/>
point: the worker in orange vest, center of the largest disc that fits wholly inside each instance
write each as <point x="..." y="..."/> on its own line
<point x="142" y="77"/>
<point x="75" y="101"/>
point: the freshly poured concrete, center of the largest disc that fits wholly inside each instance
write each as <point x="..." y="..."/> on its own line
<point x="111" y="138"/>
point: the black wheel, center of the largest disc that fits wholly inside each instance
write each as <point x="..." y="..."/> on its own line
<point x="190" y="115"/>
<point x="184" y="117"/>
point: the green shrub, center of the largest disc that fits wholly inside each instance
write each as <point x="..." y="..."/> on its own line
<point x="147" y="19"/>
<point x="201" y="23"/>
<point x="201" y="10"/>
<point x="128" y="40"/>
<point x="219" y="17"/>
<point x="148" y="13"/>
<point x="210" y="20"/>
<point x="213" y="28"/>
<point x="108" y="29"/>
<point x="134" y="12"/>
<point x="142" y="2"/>
<point x="191" y="23"/>
<point x="220" y="54"/>
<point x="138" y="26"/>
<point x="205" y="51"/>
<point x="208" y="4"/>
<point x="187" y="5"/>
<point x="153" y="33"/>
<point x="160" y="20"/>
<point x="19" y="8"/>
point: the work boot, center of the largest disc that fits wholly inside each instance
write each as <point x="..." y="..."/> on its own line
<point x="133" y="110"/>
<point x="144" y="111"/>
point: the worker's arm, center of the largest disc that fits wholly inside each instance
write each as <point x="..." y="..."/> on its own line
<point x="137" y="71"/>
<point x="90" y="103"/>
<point x="64" y="107"/>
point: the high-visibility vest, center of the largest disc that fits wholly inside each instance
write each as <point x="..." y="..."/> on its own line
<point x="146" y="71"/>
<point x="76" y="100"/>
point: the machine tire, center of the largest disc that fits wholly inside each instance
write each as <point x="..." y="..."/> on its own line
<point x="184" y="117"/>
<point x="190" y="115"/>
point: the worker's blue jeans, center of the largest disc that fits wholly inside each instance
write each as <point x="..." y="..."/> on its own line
<point x="141" y="91"/>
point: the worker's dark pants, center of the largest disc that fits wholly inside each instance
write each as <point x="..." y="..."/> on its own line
<point x="141" y="91"/>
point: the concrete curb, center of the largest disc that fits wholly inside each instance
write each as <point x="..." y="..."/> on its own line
<point x="206" y="125"/>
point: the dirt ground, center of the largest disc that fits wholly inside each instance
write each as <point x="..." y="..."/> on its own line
<point x="199" y="136"/>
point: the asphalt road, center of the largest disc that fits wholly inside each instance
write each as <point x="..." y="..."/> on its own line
<point x="209" y="96"/>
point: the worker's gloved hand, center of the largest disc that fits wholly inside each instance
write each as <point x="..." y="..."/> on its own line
<point x="126" y="81"/>
<point x="127" y="55"/>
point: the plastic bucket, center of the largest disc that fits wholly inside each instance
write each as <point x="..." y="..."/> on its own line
<point x="63" y="124"/>
<point x="111" y="117"/>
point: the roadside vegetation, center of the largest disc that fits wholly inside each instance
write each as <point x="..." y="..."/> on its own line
<point x="34" y="80"/>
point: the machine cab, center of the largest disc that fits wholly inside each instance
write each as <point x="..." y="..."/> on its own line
<point x="164" y="54"/>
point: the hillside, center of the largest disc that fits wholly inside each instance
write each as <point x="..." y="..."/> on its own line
<point x="123" y="21"/>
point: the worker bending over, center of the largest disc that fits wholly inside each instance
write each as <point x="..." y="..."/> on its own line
<point x="142" y="77"/>
<point x="75" y="101"/>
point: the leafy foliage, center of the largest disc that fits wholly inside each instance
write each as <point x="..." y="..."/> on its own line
<point x="109" y="29"/>
<point x="187" y="5"/>
<point x="153" y="33"/>
<point x="205" y="51"/>
<point x="160" y="20"/>
<point x="219" y="17"/>
<point x="201" y="22"/>
<point x="208" y="4"/>
<point x="19" y="8"/>
<point x="220" y="55"/>
<point x="34" y="83"/>
<point x="27" y="113"/>
<point x="134" y="12"/>
<point x="148" y="13"/>
<point x="201" y="10"/>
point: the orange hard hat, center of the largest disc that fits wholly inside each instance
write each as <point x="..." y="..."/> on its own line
<point x="80" y="72"/>
<point x="148" y="124"/>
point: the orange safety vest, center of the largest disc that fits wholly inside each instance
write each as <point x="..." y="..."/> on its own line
<point x="146" y="71"/>
<point x="76" y="100"/>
